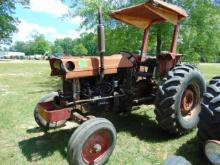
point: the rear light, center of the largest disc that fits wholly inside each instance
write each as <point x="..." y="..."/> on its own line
<point x="212" y="151"/>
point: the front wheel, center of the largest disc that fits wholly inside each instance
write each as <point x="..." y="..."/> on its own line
<point x="178" y="100"/>
<point x="92" y="143"/>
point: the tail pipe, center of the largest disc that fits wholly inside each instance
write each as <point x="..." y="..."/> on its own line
<point x="101" y="42"/>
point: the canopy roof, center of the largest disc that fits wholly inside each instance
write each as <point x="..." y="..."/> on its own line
<point x="152" y="12"/>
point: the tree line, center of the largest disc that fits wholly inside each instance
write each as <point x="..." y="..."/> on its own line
<point x="60" y="47"/>
<point x="199" y="38"/>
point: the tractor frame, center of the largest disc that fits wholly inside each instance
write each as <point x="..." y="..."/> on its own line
<point x="121" y="81"/>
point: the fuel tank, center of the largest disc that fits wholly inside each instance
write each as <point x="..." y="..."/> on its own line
<point x="79" y="67"/>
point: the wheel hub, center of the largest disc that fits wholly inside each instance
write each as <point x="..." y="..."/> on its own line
<point x="188" y="102"/>
<point x="96" y="147"/>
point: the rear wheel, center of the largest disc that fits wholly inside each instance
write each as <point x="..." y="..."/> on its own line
<point x="44" y="125"/>
<point x="178" y="101"/>
<point x="208" y="127"/>
<point x="92" y="143"/>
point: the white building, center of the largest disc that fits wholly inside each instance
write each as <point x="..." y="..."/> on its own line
<point x="11" y="55"/>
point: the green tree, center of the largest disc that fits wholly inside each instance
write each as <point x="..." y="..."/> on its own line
<point x="201" y="31"/>
<point x="119" y="37"/>
<point x="79" y="49"/>
<point x="199" y="38"/>
<point x="28" y="48"/>
<point x="8" y="21"/>
<point x="89" y="40"/>
<point x="66" y="44"/>
<point x="57" y="50"/>
<point x="18" y="46"/>
<point x="40" y="45"/>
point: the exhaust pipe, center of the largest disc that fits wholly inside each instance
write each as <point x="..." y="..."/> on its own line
<point x="101" y="42"/>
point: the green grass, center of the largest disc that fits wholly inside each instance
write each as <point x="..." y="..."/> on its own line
<point x="140" y="140"/>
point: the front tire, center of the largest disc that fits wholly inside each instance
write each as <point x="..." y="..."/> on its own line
<point x="208" y="127"/>
<point x="178" y="99"/>
<point x="92" y="143"/>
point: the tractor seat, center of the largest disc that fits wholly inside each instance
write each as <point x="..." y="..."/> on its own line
<point x="149" y="62"/>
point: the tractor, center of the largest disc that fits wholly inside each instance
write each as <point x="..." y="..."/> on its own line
<point x="118" y="82"/>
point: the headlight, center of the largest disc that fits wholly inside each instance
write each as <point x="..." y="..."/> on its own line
<point x="70" y="66"/>
<point x="212" y="151"/>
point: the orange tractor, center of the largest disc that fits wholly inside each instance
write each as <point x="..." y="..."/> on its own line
<point x="121" y="81"/>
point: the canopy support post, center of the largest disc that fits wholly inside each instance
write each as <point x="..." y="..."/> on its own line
<point x="175" y="38"/>
<point x="144" y="47"/>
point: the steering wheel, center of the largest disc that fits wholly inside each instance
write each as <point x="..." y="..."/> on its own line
<point x="128" y="53"/>
<point x="131" y="57"/>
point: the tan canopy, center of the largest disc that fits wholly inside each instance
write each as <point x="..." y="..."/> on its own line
<point x="149" y="13"/>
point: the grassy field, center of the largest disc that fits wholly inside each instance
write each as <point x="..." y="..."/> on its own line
<point x="140" y="141"/>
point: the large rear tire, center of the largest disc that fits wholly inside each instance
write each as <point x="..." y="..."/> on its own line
<point x="43" y="124"/>
<point x="92" y="143"/>
<point x="209" y="124"/>
<point x="178" y="101"/>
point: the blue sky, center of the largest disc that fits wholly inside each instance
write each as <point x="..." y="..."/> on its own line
<point x="45" y="17"/>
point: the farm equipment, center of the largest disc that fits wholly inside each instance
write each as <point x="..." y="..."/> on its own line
<point x="121" y="81"/>
<point x="208" y="127"/>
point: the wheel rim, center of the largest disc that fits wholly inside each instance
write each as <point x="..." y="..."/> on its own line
<point x="189" y="101"/>
<point x="96" y="147"/>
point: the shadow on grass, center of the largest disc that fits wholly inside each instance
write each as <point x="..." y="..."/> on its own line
<point x="191" y="151"/>
<point x="54" y="83"/>
<point x="37" y="148"/>
<point x="34" y="130"/>
<point x="141" y="126"/>
<point x="49" y="84"/>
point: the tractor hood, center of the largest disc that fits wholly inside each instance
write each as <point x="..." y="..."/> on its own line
<point x="152" y="12"/>
<point x="79" y="67"/>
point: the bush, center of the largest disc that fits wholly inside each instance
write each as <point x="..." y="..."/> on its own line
<point x="191" y="57"/>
